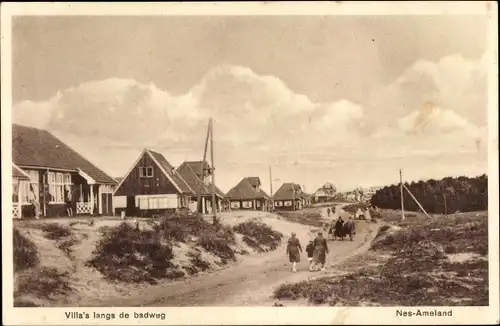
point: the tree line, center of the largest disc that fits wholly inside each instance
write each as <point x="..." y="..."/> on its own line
<point x="460" y="194"/>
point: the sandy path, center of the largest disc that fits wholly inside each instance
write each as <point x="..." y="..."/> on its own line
<point x="251" y="282"/>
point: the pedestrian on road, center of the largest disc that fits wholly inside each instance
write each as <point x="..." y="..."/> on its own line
<point x="320" y="252"/>
<point x="310" y="253"/>
<point x="293" y="251"/>
<point x="328" y="211"/>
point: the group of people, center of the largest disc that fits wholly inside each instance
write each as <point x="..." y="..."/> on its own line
<point x="316" y="250"/>
<point x="330" y="211"/>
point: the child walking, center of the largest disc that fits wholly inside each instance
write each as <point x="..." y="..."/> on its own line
<point x="310" y="253"/>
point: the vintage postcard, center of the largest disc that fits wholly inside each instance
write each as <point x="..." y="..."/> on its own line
<point x="250" y="163"/>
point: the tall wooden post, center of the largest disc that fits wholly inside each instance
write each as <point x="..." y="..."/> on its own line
<point x="401" y="190"/>
<point x="202" y="171"/>
<point x="293" y="195"/>
<point x="445" y="206"/>
<point x="214" y="204"/>
<point x="271" y="188"/>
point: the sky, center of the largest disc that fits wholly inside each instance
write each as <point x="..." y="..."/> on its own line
<point x="342" y="99"/>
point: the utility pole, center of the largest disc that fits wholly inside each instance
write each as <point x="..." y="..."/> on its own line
<point x="401" y="190"/>
<point x="271" y="189"/>
<point x="445" y="206"/>
<point x="202" y="174"/>
<point x="214" y="204"/>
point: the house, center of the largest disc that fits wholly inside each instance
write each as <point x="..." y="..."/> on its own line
<point x="152" y="187"/>
<point x="248" y="195"/>
<point x="287" y="195"/>
<point x="53" y="168"/>
<point x="325" y="193"/>
<point x="197" y="177"/>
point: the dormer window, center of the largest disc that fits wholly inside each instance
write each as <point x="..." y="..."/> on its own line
<point x="257" y="188"/>
<point x="146" y="172"/>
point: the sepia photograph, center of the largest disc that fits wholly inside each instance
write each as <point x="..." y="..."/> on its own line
<point x="335" y="155"/>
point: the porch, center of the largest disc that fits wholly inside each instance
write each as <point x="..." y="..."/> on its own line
<point x="92" y="199"/>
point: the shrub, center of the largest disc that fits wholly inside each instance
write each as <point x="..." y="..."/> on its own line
<point x="66" y="245"/>
<point x="25" y="252"/>
<point x="55" y="231"/>
<point x="130" y="255"/>
<point x="257" y="234"/>
<point x="45" y="283"/>
<point x="214" y="243"/>
<point x="197" y="263"/>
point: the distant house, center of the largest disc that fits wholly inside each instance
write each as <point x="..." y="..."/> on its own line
<point x="197" y="177"/>
<point x="56" y="171"/>
<point x="152" y="187"/>
<point x="247" y="195"/>
<point x="325" y="193"/>
<point x="290" y="197"/>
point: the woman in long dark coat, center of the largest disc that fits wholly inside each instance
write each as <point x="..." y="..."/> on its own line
<point x="320" y="251"/>
<point x="293" y="251"/>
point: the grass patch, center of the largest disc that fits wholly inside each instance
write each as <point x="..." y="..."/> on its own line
<point x="197" y="263"/>
<point x="56" y="231"/>
<point x="25" y="252"/>
<point x="259" y="236"/>
<point x="62" y="235"/>
<point x="308" y="216"/>
<point x="127" y="254"/>
<point x="44" y="283"/>
<point x="419" y="272"/>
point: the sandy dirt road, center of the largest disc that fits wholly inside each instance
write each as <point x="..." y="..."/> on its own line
<point x="251" y="282"/>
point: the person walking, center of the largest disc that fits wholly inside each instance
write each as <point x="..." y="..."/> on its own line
<point x="293" y="251"/>
<point x="328" y="211"/>
<point x="320" y="252"/>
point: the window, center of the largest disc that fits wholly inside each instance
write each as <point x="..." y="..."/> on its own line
<point x="57" y="185"/>
<point x="30" y="188"/>
<point x="258" y="203"/>
<point x="145" y="171"/>
<point x="247" y="204"/>
<point x="235" y="204"/>
<point x="288" y="203"/>
<point x="279" y="203"/>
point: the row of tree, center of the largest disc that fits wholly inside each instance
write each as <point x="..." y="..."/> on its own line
<point x="447" y="195"/>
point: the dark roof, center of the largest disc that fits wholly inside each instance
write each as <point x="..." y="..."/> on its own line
<point x="162" y="161"/>
<point x="286" y="192"/>
<point x="244" y="190"/>
<point x="18" y="173"/>
<point x="32" y="147"/>
<point x="192" y="179"/>
<point x="169" y="169"/>
<point x="119" y="179"/>
<point x="254" y="181"/>
<point x="196" y="166"/>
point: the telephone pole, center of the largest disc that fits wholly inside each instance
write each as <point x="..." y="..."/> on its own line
<point x="271" y="189"/>
<point x="214" y="203"/>
<point x="401" y="190"/>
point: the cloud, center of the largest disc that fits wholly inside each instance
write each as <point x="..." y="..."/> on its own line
<point x="432" y="109"/>
<point x="453" y="83"/>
